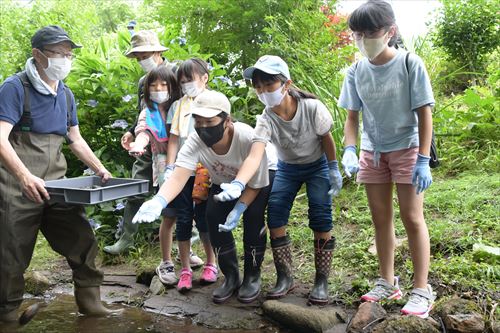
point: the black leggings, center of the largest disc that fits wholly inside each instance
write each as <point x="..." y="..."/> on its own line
<point x="253" y="217"/>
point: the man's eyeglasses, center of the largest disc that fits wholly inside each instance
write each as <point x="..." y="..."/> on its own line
<point x="70" y="56"/>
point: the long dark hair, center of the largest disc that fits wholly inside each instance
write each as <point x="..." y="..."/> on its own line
<point x="190" y="67"/>
<point x="263" y="77"/>
<point x="372" y="16"/>
<point x="161" y="73"/>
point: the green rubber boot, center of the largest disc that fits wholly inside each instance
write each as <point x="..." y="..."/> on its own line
<point x="89" y="303"/>
<point x="126" y="240"/>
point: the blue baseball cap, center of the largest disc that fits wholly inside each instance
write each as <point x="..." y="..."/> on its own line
<point x="51" y="34"/>
<point x="269" y="64"/>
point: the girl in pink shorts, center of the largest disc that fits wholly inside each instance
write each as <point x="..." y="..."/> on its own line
<point x="392" y="91"/>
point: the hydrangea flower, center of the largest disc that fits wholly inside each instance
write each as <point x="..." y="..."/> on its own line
<point x="223" y="79"/>
<point x="126" y="98"/>
<point x="119" y="206"/>
<point x="120" y="123"/>
<point x="94" y="224"/>
<point x="92" y="103"/>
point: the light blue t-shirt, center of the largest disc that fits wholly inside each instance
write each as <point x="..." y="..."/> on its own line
<point x="388" y="96"/>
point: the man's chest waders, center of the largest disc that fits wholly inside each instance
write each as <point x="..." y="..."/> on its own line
<point x="65" y="227"/>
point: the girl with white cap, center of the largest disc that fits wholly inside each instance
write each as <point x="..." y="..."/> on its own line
<point x="222" y="146"/>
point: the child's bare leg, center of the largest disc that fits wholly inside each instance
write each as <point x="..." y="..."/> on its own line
<point x="380" y="203"/>
<point x="166" y="237"/>
<point x="184" y="253"/>
<point x="207" y="246"/>
<point x="411" y="208"/>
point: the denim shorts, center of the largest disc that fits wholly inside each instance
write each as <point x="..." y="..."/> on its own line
<point x="287" y="182"/>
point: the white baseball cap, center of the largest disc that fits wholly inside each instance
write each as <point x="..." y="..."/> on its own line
<point x="210" y="103"/>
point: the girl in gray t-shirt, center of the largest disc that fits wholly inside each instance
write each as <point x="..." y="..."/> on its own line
<point x="299" y="125"/>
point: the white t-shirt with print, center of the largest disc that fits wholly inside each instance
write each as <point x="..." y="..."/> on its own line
<point x="223" y="168"/>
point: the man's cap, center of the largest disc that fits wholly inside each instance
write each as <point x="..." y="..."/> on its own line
<point x="210" y="103"/>
<point x="131" y="24"/>
<point x="145" y="41"/>
<point x="51" y="34"/>
<point x="268" y="64"/>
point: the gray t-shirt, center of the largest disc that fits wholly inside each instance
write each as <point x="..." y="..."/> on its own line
<point x="223" y="168"/>
<point x="298" y="141"/>
<point x="387" y="95"/>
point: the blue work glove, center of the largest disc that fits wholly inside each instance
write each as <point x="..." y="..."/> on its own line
<point x="233" y="217"/>
<point x="335" y="178"/>
<point x="350" y="161"/>
<point x="150" y="210"/>
<point x="230" y="191"/>
<point x="422" y="177"/>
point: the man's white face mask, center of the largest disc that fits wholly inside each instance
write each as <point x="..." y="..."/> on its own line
<point x="58" y="68"/>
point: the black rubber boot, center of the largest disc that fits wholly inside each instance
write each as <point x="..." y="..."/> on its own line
<point x="228" y="264"/>
<point x="250" y="288"/>
<point x="323" y="253"/>
<point x="282" y="254"/>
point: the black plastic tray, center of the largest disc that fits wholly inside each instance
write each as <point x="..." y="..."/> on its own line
<point x="89" y="190"/>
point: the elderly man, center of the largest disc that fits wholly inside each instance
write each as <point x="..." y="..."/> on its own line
<point x="37" y="114"/>
<point x="147" y="50"/>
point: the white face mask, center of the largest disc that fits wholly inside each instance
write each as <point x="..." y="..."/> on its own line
<point x="372" y="47"/>
<point x="271" y="99"/>
<point x="58" y="68"/>
<point x="159" y="96"/>
<point x="148" y="64"/>
<point x="191" y="89"/>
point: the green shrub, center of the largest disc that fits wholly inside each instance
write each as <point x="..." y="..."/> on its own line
<point x="468" y="31"/>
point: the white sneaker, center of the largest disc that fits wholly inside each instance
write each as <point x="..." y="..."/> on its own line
<point x="194" y="260"/>
<point x="420" y="302"/>
<point x="166" y="273"/>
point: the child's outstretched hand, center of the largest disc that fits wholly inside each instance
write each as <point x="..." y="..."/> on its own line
<point x="136" y="149"/>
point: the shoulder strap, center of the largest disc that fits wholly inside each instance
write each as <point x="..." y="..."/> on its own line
<point x="24" y="123"/>
<point x="68" y="113"/>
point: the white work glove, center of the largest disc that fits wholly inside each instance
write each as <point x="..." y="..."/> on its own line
<point x="150" y="210"/>
<point x="350" y="161"/>
<point x="230" y="191"/>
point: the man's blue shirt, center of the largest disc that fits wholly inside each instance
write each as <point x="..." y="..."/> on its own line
<point x="48" y="112"/>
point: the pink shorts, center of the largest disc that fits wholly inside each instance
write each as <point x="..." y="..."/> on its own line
<point x="395" y="166"/>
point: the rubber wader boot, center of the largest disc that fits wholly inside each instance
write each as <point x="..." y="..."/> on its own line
<point x="228" y="264"/>
<point x="250" y="288"/>
<point x="126" y="240"/>
<point x="323" y="253"/>
<point x="89" y="303"/>
<point x="282" y="254"/>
